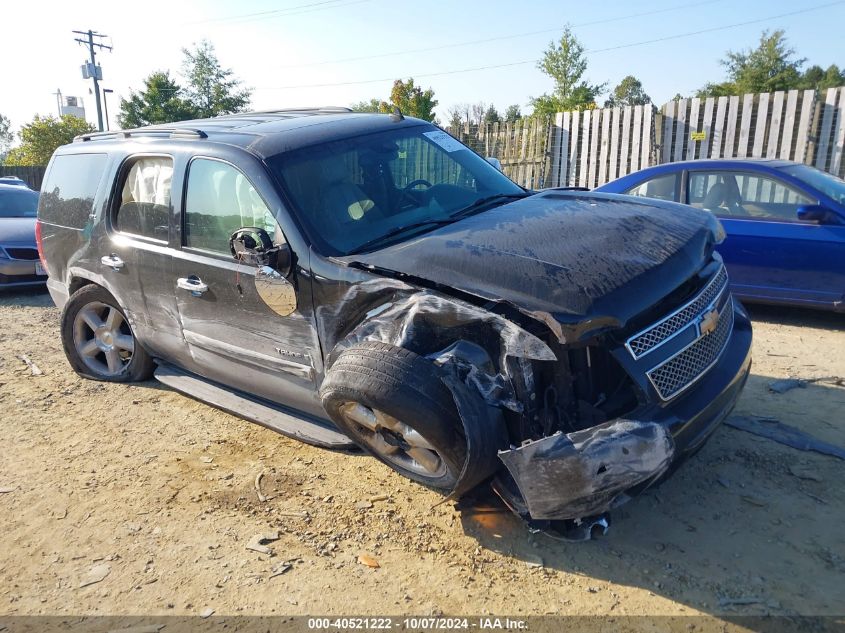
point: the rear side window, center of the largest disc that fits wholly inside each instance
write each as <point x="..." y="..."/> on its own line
<point x="660" y="188"/>
<point x="67" y="195"/>
<point x="145" y="198"/>
<point x="219" y="201"/>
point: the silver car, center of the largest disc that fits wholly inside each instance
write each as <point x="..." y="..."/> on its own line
<point x="19" y="261"/>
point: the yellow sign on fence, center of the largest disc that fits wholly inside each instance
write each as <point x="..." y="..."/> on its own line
<point x="698" y="136"/>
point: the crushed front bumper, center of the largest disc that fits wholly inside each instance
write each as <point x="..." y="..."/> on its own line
<point x="588" y="472"/>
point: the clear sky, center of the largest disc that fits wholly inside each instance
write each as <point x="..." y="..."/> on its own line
<point x="291" y="51"/>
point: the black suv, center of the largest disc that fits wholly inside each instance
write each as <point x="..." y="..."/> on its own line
<point x="366" y="278"/>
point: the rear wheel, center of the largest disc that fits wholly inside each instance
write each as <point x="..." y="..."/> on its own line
<point x="391" y="402"/>
<point x="98" y="340"/>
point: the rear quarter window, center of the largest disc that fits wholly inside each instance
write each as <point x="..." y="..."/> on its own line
<point x="68" y="191"/>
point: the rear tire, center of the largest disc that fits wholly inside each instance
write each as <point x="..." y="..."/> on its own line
<point x="98" y="340"/>
<point x="391" y="402"/>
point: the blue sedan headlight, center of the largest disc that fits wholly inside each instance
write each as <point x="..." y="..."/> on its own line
<point x="4" y="254"/>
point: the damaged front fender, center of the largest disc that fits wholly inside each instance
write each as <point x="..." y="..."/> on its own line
<point x="573" y="475"/>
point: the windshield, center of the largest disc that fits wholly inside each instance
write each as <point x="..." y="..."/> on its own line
<point x="828" y="184"/>
<point x="17" y="202"/>
<point x="349" y="194"/>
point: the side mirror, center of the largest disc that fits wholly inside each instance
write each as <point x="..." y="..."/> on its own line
<point x="816" y="213"/>
<point x="254" y="247"/>
<point x="495" y="162"/>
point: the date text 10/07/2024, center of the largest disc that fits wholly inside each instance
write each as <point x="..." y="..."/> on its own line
<point x="417" y="623"/>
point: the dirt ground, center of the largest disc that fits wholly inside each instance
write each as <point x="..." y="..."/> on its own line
<point x="158" y="491"/>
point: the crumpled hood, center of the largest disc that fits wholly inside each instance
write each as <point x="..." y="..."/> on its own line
<point x="18" y="231"/>
<point x="579" y="262"/>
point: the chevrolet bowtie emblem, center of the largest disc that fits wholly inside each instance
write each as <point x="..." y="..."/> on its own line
<point x="708" y="322"/>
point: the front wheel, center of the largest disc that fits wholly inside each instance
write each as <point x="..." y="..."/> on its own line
<point x="391" y="402"/>
<point x="98" y="340"/>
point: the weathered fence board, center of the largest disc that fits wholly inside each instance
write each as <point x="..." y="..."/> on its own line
<point x="831" y="133"/>
<point x="745" y="126"/>
<point x="636" y="139"/>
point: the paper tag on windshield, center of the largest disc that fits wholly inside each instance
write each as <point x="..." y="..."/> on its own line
<point x="444" y="140"/>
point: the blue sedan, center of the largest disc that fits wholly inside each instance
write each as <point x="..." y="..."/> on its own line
<point x="785" y="223"/>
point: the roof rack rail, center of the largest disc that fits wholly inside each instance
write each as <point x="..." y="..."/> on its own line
<point x="171" y="132"/>
<point x="316" y="110"/>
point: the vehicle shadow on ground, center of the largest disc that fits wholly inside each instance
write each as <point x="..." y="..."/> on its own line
<point x="34" y="297"/>
<point x="802" y="317"/>
<point x="745" y="527"/>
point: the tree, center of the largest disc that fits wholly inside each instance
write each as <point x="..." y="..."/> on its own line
<point x="459" y="114"/>
<point x="6" y="136"/>
<point x="160" y="101"/>
<point x="410" y="99"/>
<point x="211" y="89"/>
<point x="491" y="115"/>
<point x="566" y="64"/>
<point x="629" y="92"/>
<point x="40" y="138"/>
<point x="513" y="114"/>
<point x="769" y="67"/>
<point x="413" y="100"/>
<point x="373" y="105"/>
<point x="816" y="78"/>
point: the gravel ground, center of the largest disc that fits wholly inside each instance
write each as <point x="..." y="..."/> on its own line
<point x="136" y="500"/>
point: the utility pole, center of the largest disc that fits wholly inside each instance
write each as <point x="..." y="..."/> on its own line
<point x="92" y="70"/>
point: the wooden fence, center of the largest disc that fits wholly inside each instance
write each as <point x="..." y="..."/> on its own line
<point x="776" y="125"/>
<point x="521" y="147"/>
<point x="593" y="147"/>
<point x="32" y="176"/>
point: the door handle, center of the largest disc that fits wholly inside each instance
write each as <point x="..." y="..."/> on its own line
<point x="192" y="284"/>
<point x="112" y="261"/>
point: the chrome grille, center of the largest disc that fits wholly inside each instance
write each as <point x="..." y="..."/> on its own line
<point x="680" y="371"/>
<point x="655" y="335"/>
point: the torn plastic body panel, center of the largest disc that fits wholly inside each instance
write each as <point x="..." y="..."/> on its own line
<point x="574" y="475"/>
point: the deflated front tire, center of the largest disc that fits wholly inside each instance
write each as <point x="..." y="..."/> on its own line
<point x="392" y="403"/>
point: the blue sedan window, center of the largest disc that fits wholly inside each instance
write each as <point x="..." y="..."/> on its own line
<point x="749" y="195"/>
<point x="661" y="188"/>
<point x="828" y="184"/>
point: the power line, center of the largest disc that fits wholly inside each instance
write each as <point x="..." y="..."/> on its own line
<point x="597" y="50"/>
<point x="500" y="38"/>
<point x="295" y="10"/>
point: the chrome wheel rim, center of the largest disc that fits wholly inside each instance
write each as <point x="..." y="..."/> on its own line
<point x="393" y="440"/>
<point x="102" y="339"/>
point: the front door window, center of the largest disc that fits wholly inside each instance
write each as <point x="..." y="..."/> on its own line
<point x="746" y="195"/>
<point x="219" y="201"/>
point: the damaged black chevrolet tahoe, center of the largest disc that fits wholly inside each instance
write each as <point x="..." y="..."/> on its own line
<point x="355" y="278"/>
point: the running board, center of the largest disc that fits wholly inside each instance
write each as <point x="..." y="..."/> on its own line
<point x="292" y="424"/>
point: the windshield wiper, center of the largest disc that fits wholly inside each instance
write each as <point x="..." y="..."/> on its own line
<point x="401" y="229"/>
<point x="485" y="202"/>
